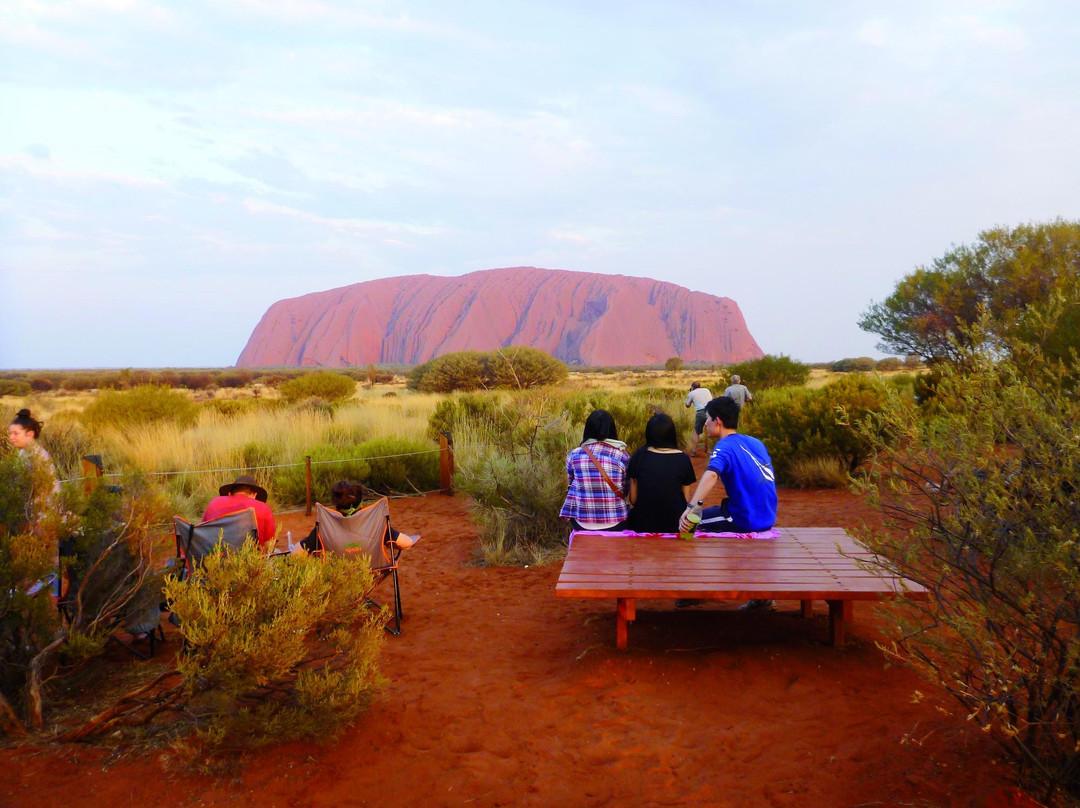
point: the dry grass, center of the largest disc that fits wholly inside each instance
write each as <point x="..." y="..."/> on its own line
<point x="819" y="472"/>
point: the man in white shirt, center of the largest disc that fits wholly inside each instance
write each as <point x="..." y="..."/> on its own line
<point x="698" y="397"/>
<point x="738" y="392"/>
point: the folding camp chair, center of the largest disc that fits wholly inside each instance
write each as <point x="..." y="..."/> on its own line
<point x="367" y="532"/>
<point x="195" y="542"/>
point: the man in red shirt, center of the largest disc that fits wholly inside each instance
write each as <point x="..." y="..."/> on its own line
<point x="240" y="495"/>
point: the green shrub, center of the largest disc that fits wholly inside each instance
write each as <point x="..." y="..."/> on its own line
<point x="522" y="368"/>
<point x="515" y="368"/>
<point x="853" y="365"/>
<point x="464" y="370"/>
<point x="385" y="465"/>
<point x="770" y="371"/>
<point x="981" y="506"/>
<point x="275" y="651"/>
<point x="107" y="552"/>
<point x="11" y="387"/>
<point x="798" y="423"/>
<point x="331" y="387"/>
<point x="142" y="405"/>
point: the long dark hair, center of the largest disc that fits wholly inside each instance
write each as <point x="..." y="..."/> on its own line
<point x="600" y="425"/>
<point x="660" y="432"/>
<point x="28" y="422"/>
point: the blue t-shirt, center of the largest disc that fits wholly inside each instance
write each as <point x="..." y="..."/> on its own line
<point x="745" y="468"/>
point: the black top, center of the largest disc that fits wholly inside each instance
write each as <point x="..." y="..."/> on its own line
<point x="660" y="502"/>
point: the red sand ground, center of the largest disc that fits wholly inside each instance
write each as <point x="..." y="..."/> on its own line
<point x="502" y="695"/>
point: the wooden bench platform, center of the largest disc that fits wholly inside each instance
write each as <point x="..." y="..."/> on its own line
<point x="803" y="563"/>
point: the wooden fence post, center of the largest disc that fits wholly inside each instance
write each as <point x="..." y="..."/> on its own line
<point x="307" y="483"/>
<point x="92" y="470"/>
<point x="446" y="464"/>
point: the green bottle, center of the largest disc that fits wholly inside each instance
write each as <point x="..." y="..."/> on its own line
<point x="694" y="518"/>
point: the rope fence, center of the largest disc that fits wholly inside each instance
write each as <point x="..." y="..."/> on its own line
<point x="94" y="471"/>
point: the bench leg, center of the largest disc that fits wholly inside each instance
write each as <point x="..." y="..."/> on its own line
<point x="839" y="611"/>
<point x="808" y="608"/>
<point x="624" y="613"/>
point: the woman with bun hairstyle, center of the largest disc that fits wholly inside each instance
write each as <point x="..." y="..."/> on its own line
<point x="23" y="434"/>
<point x="596" y="476"/>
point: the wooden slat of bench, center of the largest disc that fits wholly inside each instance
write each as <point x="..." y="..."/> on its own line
<point x="801" y="564"/>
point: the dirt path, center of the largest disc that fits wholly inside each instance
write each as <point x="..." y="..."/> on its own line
<point x="501" y="695"/>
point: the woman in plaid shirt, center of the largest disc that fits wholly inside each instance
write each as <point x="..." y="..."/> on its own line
<point x="591" y="502"/>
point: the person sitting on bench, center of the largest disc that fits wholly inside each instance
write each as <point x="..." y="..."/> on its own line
<point x="743" y="464"/>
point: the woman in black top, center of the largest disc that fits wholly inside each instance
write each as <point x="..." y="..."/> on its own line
<point x="661" y="479"/>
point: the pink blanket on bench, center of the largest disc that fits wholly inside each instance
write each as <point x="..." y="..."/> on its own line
<point x="771" y="533"/>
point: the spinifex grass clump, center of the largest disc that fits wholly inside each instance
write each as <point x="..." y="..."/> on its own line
<point x="511" y="459"/>
<point x="983" y="500"/>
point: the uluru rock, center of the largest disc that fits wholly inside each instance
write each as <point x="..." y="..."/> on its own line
<point x="583" y="318"/>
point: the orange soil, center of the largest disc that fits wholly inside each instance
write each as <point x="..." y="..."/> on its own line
<point x="500" y="694"/>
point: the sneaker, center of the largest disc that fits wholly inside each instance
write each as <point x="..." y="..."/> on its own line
<point x="756" y="606"/>
<point x="685" y="603"/>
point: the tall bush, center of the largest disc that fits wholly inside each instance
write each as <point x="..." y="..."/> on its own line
<point x="799" y="424"/>
<point x="981" y="498"/>
<point x="770" y="371"/>
<point x="514" y="367"/>
<point x="331" y="387"/>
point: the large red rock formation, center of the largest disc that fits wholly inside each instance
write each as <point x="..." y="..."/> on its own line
<point x="580" y="317"/>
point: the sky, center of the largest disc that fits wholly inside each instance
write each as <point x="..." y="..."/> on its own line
<point x="170" y="170"/>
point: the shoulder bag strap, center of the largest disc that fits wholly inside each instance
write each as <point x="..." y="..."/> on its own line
<point x="603" y="473"/>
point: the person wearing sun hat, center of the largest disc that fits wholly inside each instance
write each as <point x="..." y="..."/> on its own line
<point x="244" y="493"/>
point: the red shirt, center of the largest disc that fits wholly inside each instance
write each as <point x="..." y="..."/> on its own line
<point x="220" y="506"/>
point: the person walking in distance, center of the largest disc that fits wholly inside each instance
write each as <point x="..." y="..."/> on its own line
<point x="738" y="392"/>
<point x="698" y="397"/>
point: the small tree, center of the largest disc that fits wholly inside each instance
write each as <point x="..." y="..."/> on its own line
<point x="522" y="368"/>
<point x="982" y="501"/>
<point x="673" y="364"/>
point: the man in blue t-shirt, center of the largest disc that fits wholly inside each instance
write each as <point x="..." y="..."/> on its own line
<point x="743" y="465"/>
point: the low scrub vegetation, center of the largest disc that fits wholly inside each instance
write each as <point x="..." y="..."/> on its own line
<point x="140" y="406"/>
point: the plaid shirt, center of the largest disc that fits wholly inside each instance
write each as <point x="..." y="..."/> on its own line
<point x="589" y="498"/>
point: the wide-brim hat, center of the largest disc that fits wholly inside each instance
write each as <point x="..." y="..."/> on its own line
<point x="244" y="481"/>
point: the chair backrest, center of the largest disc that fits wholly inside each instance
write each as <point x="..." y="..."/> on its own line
<point x="195" y="542"/>
<point x="365" y="531"/>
